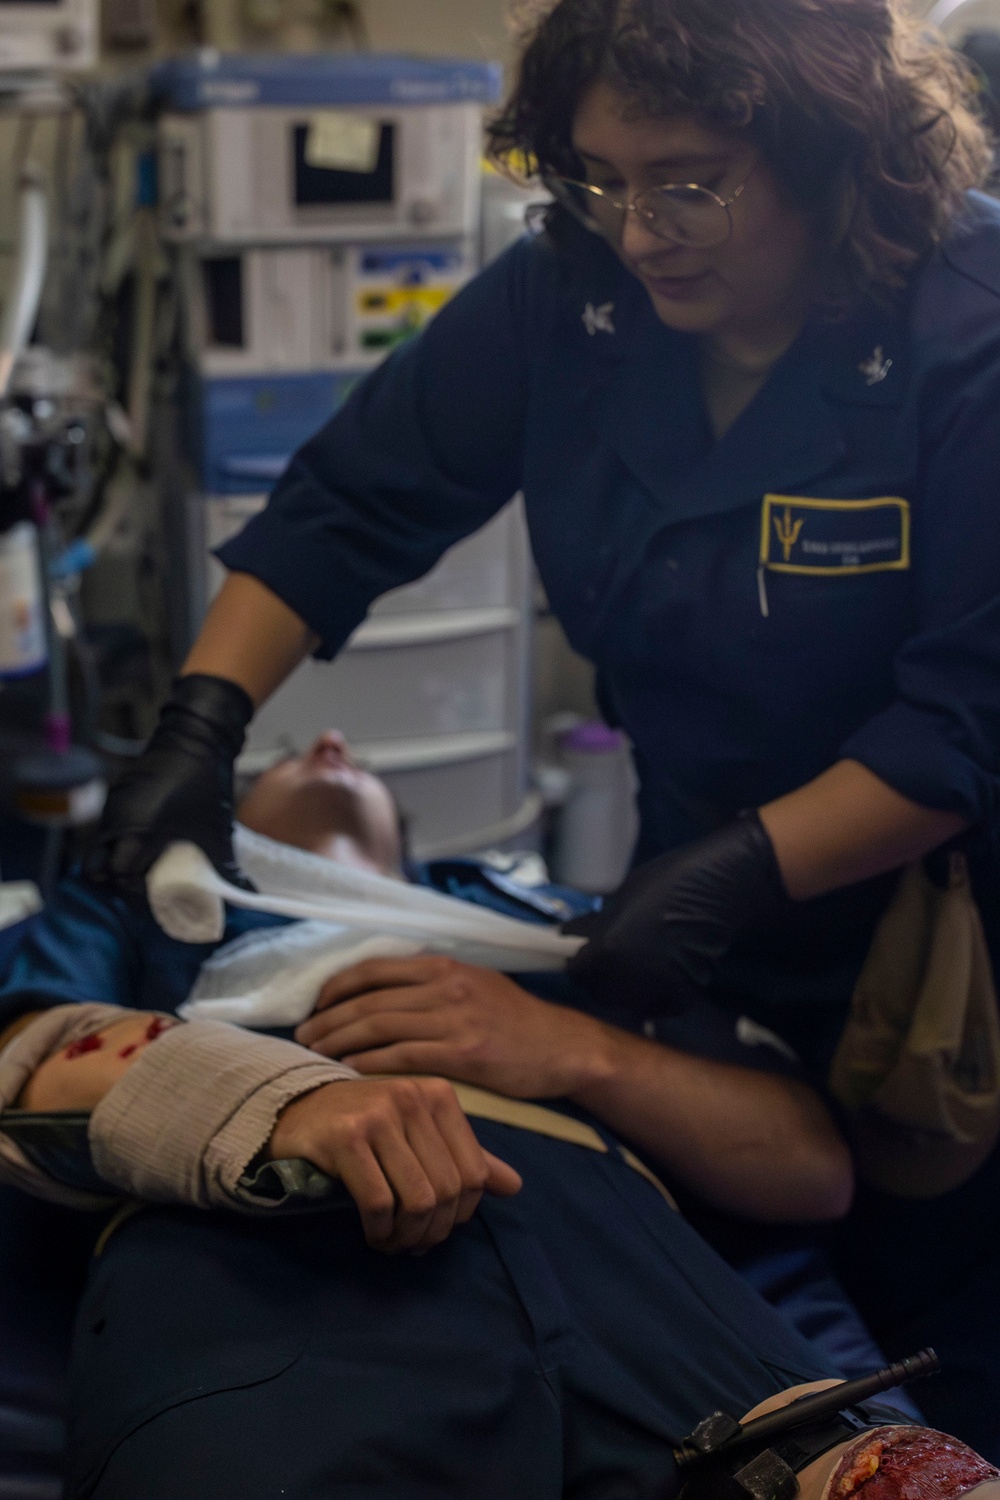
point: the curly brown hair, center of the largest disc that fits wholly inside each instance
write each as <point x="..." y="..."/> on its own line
<point x="857" y="108"/>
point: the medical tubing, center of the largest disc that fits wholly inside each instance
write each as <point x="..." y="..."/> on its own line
<point x="58" y="726"/>
<point x="29" y="274"/>
<point x="812" y="1408"/>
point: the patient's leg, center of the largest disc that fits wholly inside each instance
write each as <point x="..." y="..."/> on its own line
<point x="892" y="1463"/>
<point x="556" y="1346"/>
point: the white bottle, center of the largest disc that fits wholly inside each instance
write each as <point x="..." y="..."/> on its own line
<point x="598" y="824"/>
<point x="22" y="621"/>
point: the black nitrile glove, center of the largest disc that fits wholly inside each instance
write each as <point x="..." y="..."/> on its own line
<point x="658" y="941"/>
<point x="180" y="788"/>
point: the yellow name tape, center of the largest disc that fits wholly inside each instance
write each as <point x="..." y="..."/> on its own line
<point x="830" y="537"/>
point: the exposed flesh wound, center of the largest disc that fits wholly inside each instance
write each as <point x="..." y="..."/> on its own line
<point x="86" y="1044"/>
<point x="909" y="1463"/>
<point x="157" y="1026"/>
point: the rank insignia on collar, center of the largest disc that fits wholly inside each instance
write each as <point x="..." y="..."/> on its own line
<point x="876" y="367"/>
<point x="598" y="319"/>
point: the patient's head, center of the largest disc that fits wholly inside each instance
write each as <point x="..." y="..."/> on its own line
<point x="324" y="802"/>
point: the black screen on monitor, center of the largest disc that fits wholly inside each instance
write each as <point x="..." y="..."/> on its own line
<point x="327" y="186"/>
<point x="224" y="300"/>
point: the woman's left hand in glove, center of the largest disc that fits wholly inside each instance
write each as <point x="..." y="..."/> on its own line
<point x="435" y="1015"/>
<point x="657" y="942"/>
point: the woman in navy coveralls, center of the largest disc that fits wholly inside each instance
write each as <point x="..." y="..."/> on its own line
<point x="749" y="384"/>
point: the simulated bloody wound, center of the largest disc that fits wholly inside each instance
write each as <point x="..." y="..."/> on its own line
<point x="908" y="1463"/>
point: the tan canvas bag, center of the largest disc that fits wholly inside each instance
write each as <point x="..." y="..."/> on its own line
<point x="917" y="1069"/>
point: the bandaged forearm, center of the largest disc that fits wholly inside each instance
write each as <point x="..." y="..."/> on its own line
<point x="193" y="1112"/>
<point x="41" y="1039"/>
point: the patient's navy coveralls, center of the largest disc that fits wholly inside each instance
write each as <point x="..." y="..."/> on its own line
<point x="554" y="1345"/>
<point x="822" y="582"/>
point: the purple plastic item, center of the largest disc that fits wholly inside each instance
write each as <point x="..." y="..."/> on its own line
<point x="58" y="732"/>
<point x="592" y="738"/>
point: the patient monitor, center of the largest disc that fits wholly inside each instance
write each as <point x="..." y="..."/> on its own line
<point x="39" y="35"/>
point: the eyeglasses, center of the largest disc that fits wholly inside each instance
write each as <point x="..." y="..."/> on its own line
<point x="683" y="212"/>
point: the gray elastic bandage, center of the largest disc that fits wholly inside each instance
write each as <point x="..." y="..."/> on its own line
<point x="46" y="1035"/>
<point x="195" y="1109"/>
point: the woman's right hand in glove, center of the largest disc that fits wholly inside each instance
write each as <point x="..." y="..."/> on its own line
<point x="659" y="940"/>
<point x="180" y="788"/>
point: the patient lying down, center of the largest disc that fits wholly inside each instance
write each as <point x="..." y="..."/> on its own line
<point x="195" y="1114"/>
<point x="756" y="1142"/>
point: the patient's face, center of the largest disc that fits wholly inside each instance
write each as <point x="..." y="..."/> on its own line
<point x="324" y="802"/>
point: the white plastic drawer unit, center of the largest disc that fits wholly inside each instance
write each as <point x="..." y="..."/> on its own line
<point x="431" y="690"/>
<point x="487" y="570"/>
<point x="454" y="685"/>
<point x="455" y="797"/>
<point x="459" y="805"/>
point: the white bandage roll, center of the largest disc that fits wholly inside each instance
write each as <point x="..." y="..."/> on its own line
<point x="186" y="895"/>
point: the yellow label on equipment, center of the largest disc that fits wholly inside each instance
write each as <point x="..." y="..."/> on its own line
<point x="392" y="299"/>
<point x="828" y="537"/>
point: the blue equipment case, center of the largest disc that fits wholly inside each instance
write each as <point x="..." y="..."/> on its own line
<point x="242" y="430"/>
<point x="215" y="80"/>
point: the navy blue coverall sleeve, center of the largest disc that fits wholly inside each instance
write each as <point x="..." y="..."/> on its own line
<point x="423" y="453"/>
<point x="938" y="742"/>
<point x="90" y="946"/>
<point x="82" y="949"/>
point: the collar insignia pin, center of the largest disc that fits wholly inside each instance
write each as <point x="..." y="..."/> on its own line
<point x="876" y="367"/>
<point x="598" y="319"/>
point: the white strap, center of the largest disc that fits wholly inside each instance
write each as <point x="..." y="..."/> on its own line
<point x="188" y="898"/>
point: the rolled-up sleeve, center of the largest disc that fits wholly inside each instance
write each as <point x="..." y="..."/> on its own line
<point x="424" y="452"/>
<point x="938" y="742"/>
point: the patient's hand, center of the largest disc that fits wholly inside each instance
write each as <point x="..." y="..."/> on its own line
<point x="78" y="1077"/>
<point x="403" y="1149"/>
<point x="434" y="1015"/>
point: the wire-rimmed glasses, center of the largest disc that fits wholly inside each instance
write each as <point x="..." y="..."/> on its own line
<point x="683" y="212"/>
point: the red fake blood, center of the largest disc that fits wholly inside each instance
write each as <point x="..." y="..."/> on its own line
<point x="909" y="1463"/>
<point x="84" y="1045"/>
<point x="157" y="1026"/>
